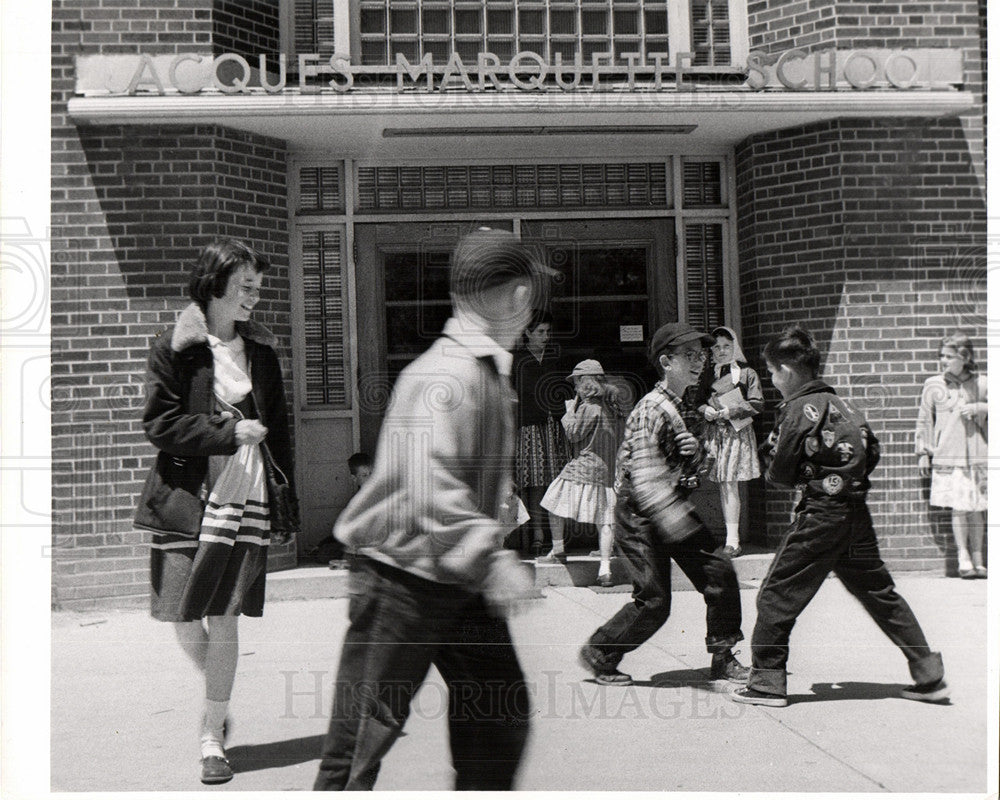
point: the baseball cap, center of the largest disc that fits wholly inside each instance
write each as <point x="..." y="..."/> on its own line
<point x="589" y="366"/>
<point x="487" y="258"/>
<point x="676" y="333"/>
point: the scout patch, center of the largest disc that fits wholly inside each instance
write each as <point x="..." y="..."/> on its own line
<point x="808" y="471"/>
<point x="811" y="445"/>
<point x="833" y="484"/>
<point x="833" y="413"/>
<point x="846" y="450"/>
<point x="829" y="437"/>
<point x="811" y="413"/>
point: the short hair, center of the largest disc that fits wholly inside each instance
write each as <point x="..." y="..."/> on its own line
<point x="542" y="316"/>
<point x="961" y="342"/>
<point x="357" y="461"/>
<point x="211" y="273"/>
<point x="794" y="347"/>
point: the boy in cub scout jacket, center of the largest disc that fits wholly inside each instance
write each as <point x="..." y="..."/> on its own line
<point x="823" y="447"/>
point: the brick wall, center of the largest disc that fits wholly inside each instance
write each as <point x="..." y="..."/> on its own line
<point x="247" y="27"/>
<point x="871" y="235"/>
<point x="131" y="207"/>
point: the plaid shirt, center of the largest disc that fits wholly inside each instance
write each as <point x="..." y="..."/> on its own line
<point x="650" y="465"/>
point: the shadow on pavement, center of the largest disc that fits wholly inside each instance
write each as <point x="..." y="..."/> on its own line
<point x="678" y="677"/>
<point x="253" y="757"/>
<point x="849" y="690"/>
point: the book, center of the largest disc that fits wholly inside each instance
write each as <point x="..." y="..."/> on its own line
<point x="734" y="399"/>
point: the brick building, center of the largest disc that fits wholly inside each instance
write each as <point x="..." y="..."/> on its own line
<point x="748" y="162"/>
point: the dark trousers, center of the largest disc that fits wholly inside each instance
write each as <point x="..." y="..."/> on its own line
<point x="831" y="535"/>
<point x="647" y="556"/>
<point x="399" y="625"/>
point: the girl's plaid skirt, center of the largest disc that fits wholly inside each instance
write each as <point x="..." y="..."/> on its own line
<point x="542" y="452"/>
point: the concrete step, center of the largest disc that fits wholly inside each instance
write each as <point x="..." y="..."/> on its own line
<point x="315" y="581"/>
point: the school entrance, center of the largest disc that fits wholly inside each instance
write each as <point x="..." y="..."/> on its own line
<point x="635" y="245"/>
<point x="617" y="281"/>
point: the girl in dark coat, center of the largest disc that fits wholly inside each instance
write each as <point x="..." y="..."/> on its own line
<point x="214" y="395"/>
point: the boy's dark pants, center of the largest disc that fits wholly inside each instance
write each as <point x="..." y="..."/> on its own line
<point x="400" y="624"/>
<point x="831" y="535"/>
<point x="647" y="555"/>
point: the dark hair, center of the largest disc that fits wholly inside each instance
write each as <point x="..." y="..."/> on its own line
<point x="357" y="461"/>
<point x="961" y="342"/>
<point x="541" y="316"/>
<point x="210" y="275"/>
<point x="794" y="346"/>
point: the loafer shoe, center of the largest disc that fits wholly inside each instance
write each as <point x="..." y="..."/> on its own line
<point x="605" y="580"/>
<point x="967" y="574"/>
<point x="754" y="698"/>
<point x="551" y="558"/>
<point x="937" y="692"/>
<point x="731" y="551"/>
<point x="980" y="572"/>
<point x="602" y="675"/>
<point x="215" y="769"/>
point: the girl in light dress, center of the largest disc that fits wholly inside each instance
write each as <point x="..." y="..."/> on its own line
<point x="951" y="444"/>
<point x="584" y="490"/>
<point x="735" y="399"/>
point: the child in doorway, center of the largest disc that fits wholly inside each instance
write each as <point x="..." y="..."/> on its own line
<point x="735" y="399"/>
<point x="330" y="550"/>
<point x="952" y="448"/>
<point x="584" y="490"/>
<point x="823" y="446"/>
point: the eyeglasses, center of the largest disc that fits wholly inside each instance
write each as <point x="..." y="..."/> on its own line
<point x="693" y="355"/>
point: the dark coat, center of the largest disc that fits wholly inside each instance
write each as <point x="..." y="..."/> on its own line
<point x="181" y="422"/>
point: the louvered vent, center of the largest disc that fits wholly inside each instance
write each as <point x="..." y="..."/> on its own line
<point x="703" y="274"/>
<point x="324" y="319"/>
<point x="702" y="184"/>
<point x="320" y="191"/>
<point x="524" y="186"/>
<point x="710" y="33"/>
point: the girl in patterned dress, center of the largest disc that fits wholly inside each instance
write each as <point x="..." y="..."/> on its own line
<point x="735" y="399"/>
<point x="951" y="443"/>
<point x="594" y="423"/>
<point x="215" y="394"/>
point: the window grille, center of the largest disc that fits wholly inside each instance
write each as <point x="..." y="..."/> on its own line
<point x="702" y="184"/>
<point x="525" y="186"/>
<point x="469" y="27"/>
<point x="703" y="267"/>
<point x="320" y="190"/>
<point x="710" y="33"/>
<point x="324" y="319"/>
<point x="313" y="30"/>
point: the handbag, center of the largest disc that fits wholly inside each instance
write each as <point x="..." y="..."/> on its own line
<point x="283" y="505"/>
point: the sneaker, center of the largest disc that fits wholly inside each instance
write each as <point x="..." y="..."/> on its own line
<point x="726" y="667"/>
<point x="552" y="558"/>
<point x="754" y="698"/>
<point x="967" y="574"/>
<point x="605" y="676"/>
<point x="980" y="572"/>
<point x="936" y="692"/>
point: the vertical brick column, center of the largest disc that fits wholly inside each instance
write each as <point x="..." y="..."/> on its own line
<point x="131" y="208"/>
<point x="871" y="235"/>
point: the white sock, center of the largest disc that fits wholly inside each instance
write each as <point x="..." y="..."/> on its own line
<point x="604" y="568"/>
<point x="732" y="534"/>
<point x="215" y="719"/>
<point x="558" y="545"/>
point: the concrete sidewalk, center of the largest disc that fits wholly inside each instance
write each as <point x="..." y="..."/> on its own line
<point x="125" y="703"/>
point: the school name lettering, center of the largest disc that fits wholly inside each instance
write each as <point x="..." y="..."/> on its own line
<point x="792" y="70"/>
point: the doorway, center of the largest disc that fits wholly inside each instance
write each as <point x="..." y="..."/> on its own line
<point x="617" y="283"/>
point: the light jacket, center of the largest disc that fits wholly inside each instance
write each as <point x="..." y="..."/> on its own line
<point x="181" y="421"/>
<point x="443" y="466"/>
<point x="942" y="433"/>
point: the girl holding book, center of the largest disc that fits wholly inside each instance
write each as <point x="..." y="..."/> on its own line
<point x="735" y="399"/>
